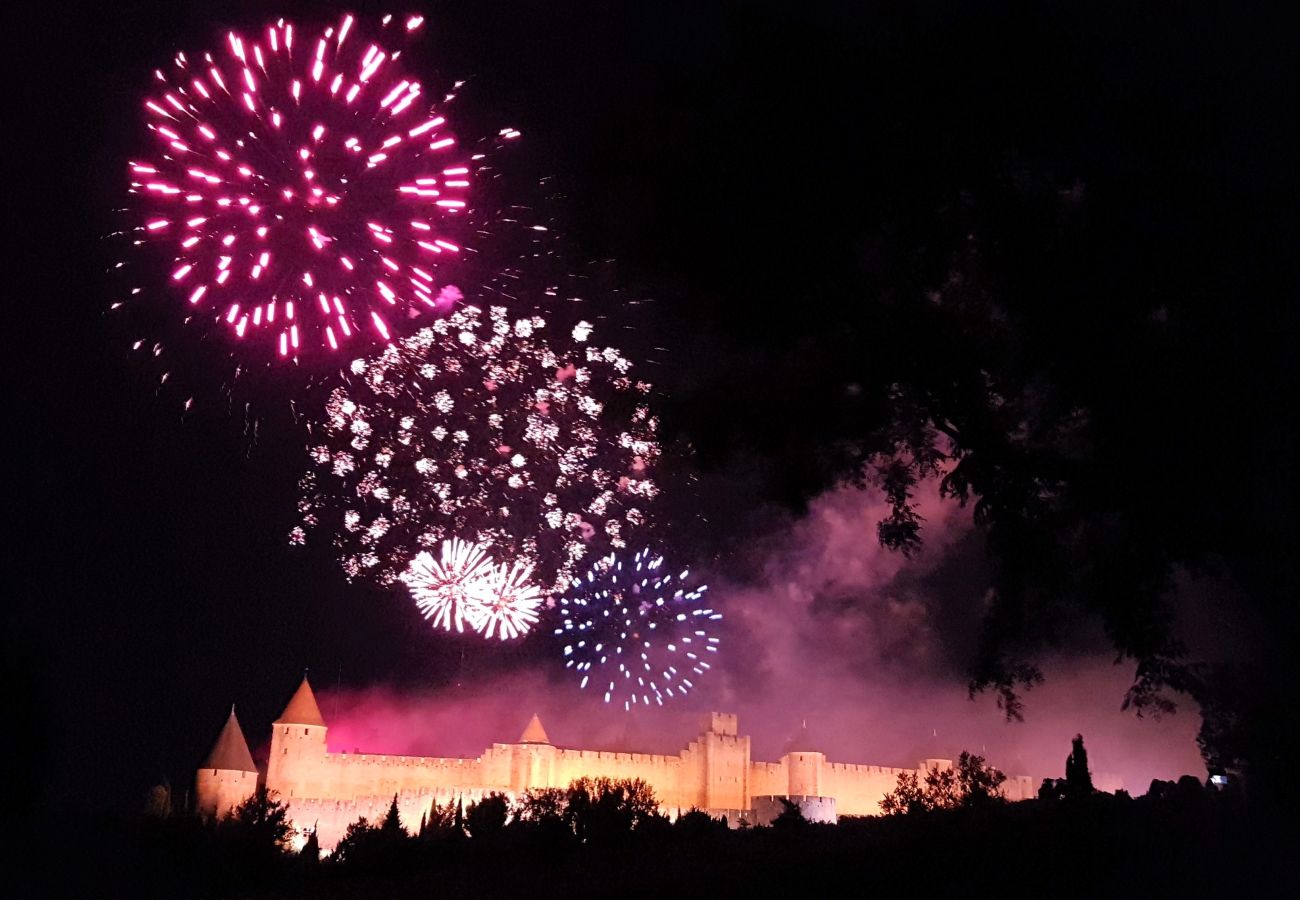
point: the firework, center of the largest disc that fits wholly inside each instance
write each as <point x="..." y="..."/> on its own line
<point x="476" y="428"/>
<point x="307" y="194"/>
<point x="634" y="632"/>
<point x="507" y="602"/>
<point x="448" y="589"/>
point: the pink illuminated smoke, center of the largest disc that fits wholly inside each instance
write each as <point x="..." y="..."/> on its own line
<point x="309" y="189"/>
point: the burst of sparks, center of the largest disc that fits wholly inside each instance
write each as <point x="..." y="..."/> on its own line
<point x="477" y="428"/>
<point x="635" y="633"/>
<point x="307" y="190"/>
<point x="447" y="589"/>
<point x="508" y="602"/>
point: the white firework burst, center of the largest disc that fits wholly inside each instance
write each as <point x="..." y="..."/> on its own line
<point x="508" y="602"/>
<point x="448" y="589"/>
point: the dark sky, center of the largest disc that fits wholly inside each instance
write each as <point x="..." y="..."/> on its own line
<point x="764" y="172"/>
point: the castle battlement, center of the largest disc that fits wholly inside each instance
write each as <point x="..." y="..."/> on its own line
<point x="714" y="772"/>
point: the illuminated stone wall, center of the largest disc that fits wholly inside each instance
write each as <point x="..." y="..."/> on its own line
<point x="218" y="791"/>
<point x="715" y="772"/>
<point x="814" y="809"/>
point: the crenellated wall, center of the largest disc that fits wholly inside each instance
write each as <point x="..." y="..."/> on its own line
<point x="667" y="775"/>
<point x="331" y="817"/>
<point x="328" y="791"/>
<point x="770" y="779"/>
<point x="858" y="789"/>
<point x="814" y="809"/>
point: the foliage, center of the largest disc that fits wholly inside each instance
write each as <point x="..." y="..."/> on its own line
<point x="392" y="819"/>
<point x="1077" y="397"/>
<point x="907" y="796"/>
<point x="698" y="823"/>
<point x="1078" y="780"/>
<point x="1184" y="829"/>
<point x="367" y="846"/>
<point x="791" y="818"/>
<point x="970" y="783"/>
<point x="261" y="821"/>
<point x="1077" y="783"/>
<point x="978" y="784"/>
<point x="941" y="788"/>
<point x="486" y="819"/>
<point x="352" y="847"/>
<point x="603" y="809"/>
<point x="540" y="805"/>
<point x="439" y="822"/>
<point x="310" y="852"/>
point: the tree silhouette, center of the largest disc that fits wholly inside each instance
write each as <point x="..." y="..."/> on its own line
<point x="1078" y="780"/>
<point x="392" y="820"/>
<point x="791" y="817"/>
<point x="486" y="819"/>
<point x="699" y="824"/>
<point x="907" y="796"/>
<point x="970" y="783"/>
<point x="543" y="805"/>
<point x="942" y="790"/>
<point x="310" y="853"/>
<point x="540" y="818"/>
<point x="605" y="809"/>
<point x="352" y="848"/>
<point x="367" y="846"/>
<point x="439" y="822"/>
<point x="1051" y="789"/>
<point x="978" y="784"/>
<point x="252" y="841"/>
<point x="260" y="821"/>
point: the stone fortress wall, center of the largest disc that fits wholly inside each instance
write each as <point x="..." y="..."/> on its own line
<point x="715" y="773"/>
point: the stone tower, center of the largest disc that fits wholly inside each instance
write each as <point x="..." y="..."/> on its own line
<point x="724" y="764"/>
<point x="804" y="764"/>
<point x="297" y="766"/>
<point x="532" y="758"/>
<point x="228" y="777"/>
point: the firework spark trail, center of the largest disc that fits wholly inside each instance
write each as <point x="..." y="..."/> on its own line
<point x="311" y="194"/>
<point x="447" y="589"/>
<point x="634" y="632"/>
<point x="464" y="586"/>
<point x="477" y="428"/>
<point x="507" y="602"/>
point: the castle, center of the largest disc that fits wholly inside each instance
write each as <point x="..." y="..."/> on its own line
<point x="328" y="791"/>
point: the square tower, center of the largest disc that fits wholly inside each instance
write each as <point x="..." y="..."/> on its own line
<point x="719" y="723"/>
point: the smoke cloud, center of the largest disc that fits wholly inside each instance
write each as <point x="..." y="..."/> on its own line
<point x="824" y="627"/>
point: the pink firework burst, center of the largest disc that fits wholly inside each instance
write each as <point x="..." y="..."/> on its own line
<point x="310" y="194"/>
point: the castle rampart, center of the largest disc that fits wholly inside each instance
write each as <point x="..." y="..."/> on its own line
<point x="715" y="772"/>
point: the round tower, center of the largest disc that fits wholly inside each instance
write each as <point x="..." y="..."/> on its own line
<point x="803" y="765"/>
<point x="228" y="776"/>
<point x="297" y="767"/>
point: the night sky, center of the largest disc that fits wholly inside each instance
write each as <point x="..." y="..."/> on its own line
<point x="774" y="182"/>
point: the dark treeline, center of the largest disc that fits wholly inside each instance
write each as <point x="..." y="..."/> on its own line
<point x="947" y="833"/>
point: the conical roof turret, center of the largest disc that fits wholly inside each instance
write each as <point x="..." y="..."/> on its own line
<point x="302" y="708"/>
<point x="801" y="742"/>
<point x="230" y="752"/>
<point x="534" y="733"/>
